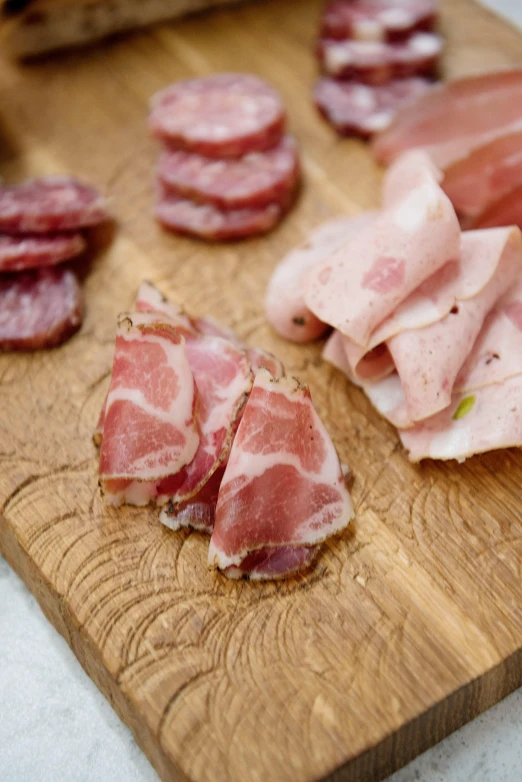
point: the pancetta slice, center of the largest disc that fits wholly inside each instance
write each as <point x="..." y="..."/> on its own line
<point x="362" y="283"/>
<point x="285" y="306"/>
<point x="283" y="485"/>
<point x="150" y="428"/>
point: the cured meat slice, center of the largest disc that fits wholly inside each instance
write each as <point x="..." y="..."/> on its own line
<point x="283" y="485"/>
<point x="497" y="353"/>
<point x="261" y="358"/>
<point x="377" y="20"/>
<point x="362" y="283"/>
<point x="150" y="299"/>
<point x="48" y="204"/>
<point x="18" y="253"/>
<point x="150" y="429"/>
<point x="506" y="211"/>
<point x="483" y="420"/>
<point x="225" y="115"/>
<point x="362" y="109"/>
<point x="375" y="62"/>
<point x="208" y="222"/>
<point x="454" y="118"/>
<point x="254" y="180"/>
<point x="485" y="175"/>
<point x="285" y="306"/>
<point x="270" y="564"/>
<point x="198" y="512"/>
<point x="39" y="309"/>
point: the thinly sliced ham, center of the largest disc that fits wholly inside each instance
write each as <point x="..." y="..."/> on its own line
<point x="150" y="429"/>
<point x="506" y="211"/>
<point x="485" y="176"/>
<point x="359" y="285"/>
<point x="455" y="118"/>
<point x="283" y="486"/>
<point x="285" y="307"/>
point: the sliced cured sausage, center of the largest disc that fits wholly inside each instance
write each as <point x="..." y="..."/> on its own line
<point x="225" y="115"/>
<point x="254" y="180"/>
<point x="208" y="222"/>
<point x="374" y="62"/>
<point x="362" y="109"/>
<point x="377" y="20"/>
<point x="48" y="204"/>
<point x="39" y="309"/>
<point x="31" y="252"/>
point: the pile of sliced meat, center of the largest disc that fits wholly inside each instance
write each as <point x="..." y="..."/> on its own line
<point x="427" y="319"/>
<point x="376" y="56"/>
<point x="221" y="440"/>
<point x="41" y="224"/>
<point x="228" y="170"/>
<point x="472" y="129"/>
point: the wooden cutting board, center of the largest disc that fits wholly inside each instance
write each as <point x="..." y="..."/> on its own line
<point x="411" y="623"/>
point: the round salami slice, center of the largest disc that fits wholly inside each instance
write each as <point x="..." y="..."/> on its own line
<point x="374" y="62"/>
<point x="361" y="109"/>
<point x="30" y="252"/>
<point x="208" y="222"/>
<point x="253" y="180"/>
<point x="48" y="204"/>
<point x="377" y="20"/>
<point x="226" y="115"/>
<point x="39" y="309"/>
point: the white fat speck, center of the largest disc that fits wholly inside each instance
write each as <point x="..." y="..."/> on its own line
<point x="395" y="18"/>
<point x="378" y="121"/>
<point x="368" y="30"/>
<point x="413" y="210"/>
<point x="425" y="44"/>
<point x="219" y="132"/>
<point x="337" y="56"/>
<point x="364" y="98"/>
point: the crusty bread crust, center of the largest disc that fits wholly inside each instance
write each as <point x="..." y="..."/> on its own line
<point x="45" y="25"/>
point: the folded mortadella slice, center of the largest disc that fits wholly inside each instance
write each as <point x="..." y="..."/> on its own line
<point x="456" y="117"/>
<point x="285" y="308"/>
<point x="361" y="283"/>
<point x="475" y="422"/>
<point x="484" y="176"/>
<point x="283" y="486"/>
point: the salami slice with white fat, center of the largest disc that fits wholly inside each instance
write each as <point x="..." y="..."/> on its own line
<point x="377" y="20"/>
<point x="32" y="252"/>
<point x="49" y="204"/>
<point x="213" y="224"/>
<point x="362" y="109"/>
<point x="377" y="62"/>
<point x="254" y="180"/>
<point x="39" y="309"/>
<point x="225" y="115"/>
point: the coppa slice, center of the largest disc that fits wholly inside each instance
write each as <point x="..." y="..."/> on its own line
<point x="150" y="429"/>
<point x="208" y="222"/>
<point x="198" y="512"/>
<point x="377" y="20"/>
<point x="39" y="309"/>
<point x="225" y="115"/>
<point x="273" y="563"/>
<point x="376" y="62"/>
<point x="285" y="306"/>
<point x="485" y="175"/>
<point x="455" y="118"/>
<point x="362" y="109"/>
<point x="254" y="180"/>
<point x="32" y="252"/>
<point x="283" y="485"/>
<point x="48" y="204"/>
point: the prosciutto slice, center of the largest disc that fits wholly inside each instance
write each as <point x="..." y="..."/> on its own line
<point x="283" y="485"/>
<point x="455" y="118"/>
<point x="362" y="283"/>
<point x="285" y="306"/>
<point x="149" y="430"/>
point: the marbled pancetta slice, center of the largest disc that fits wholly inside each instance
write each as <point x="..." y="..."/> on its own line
<point x="283" y="486"/>
<point x="150" y="429"/>
<point x="362" y="283"/>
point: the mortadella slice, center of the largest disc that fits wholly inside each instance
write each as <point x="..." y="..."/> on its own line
<point x="456" y="117"/>
<point x="360" y="284"/>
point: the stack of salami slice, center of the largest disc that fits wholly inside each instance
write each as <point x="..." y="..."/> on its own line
<point x="228" y="170"/>
<point x="427" y="319"/>
<point x="376" y="56"/>
<point x="216" y="435"/>
<point x="40" y="230"/>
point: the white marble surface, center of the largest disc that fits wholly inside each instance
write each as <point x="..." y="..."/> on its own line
<point x="56" y="727"/>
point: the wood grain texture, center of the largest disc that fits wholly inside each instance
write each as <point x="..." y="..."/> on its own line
<point x="411" y="623"/>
